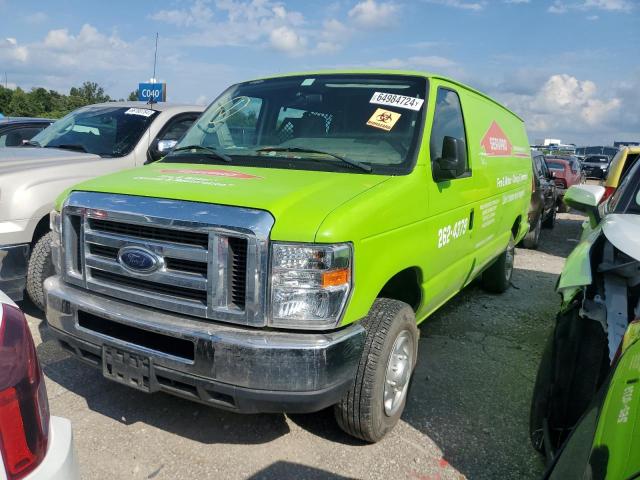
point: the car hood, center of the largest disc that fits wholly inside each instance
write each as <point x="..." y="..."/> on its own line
<point x="14" y="159"/>
<point x="299" y="200"/>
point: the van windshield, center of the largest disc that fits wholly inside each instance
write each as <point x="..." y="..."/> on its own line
<point x="102" y="130"/>
<point x="309" y="122"/>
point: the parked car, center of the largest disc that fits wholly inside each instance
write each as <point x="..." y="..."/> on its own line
<point x="620" y="165"/>
<point x="544" y="198"/>
<point x="33" y="445"/>
<point x="596" y="166"/>
<point x="88" y="142"/>
<point x="600" y="289"/>
<point x="605" y="442"/>
<point x="566" y="172"/>
<point x="286" y="269"/>
<point x="16" y="130"/>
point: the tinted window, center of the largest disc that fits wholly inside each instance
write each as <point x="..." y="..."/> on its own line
<point x="177" y="128"/>
<point x="102" y="130"/>
<point x="14" y="137"/>
<point x="376" y="120"/>
<point x="447" y="121"/>
<point x="555" y="165"/>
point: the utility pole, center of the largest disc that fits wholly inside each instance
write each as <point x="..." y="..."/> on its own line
<point x="155" y="60"/>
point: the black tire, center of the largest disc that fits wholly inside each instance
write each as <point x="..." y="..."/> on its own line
<point x="540" y="397"/>
<point x="497" y="278"/>
<point x="532" y="239"/>
<point x="562" y="207"/>
<point x="550" y="221"/>
<point x="361" y="412"/>
<point x="573" y="368"/>
<point x="40" y="268"/>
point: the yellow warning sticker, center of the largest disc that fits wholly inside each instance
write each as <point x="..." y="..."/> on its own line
<point x="383" y="119"/>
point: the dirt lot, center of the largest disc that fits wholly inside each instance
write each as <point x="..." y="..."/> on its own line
<point x="467" y="414"/>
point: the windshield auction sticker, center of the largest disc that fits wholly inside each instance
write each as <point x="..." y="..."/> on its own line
<point x="212" y="173"/>
<point x="383" y="119"/>
<point x="400" y="101"/>
<point x="145" y="112"/>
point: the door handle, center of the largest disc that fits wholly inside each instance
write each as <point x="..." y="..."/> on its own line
<point x="471" y="219"/>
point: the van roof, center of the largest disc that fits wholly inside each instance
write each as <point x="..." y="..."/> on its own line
<point x="413" y="73"/>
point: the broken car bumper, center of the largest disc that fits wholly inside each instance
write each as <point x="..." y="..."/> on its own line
<point x="232" y="367"/>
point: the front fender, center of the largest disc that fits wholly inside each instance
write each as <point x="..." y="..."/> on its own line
<point x="576" y="273"/>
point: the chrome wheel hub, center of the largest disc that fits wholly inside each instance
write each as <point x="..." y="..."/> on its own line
<point x="396" y="382"/>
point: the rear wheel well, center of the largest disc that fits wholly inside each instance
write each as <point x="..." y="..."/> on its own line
<point x="42" y="228"/>
<point x="516" y="227"/>
<point x="404" y="286"/>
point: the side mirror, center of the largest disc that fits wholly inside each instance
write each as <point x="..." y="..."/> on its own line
<point x="159" y="148"/>
<point x="165" y="146"/>
<point x="453" y="162"/>
<point x="586" y="198"/>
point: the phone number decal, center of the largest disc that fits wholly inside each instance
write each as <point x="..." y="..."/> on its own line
<point x="452" y="232"/>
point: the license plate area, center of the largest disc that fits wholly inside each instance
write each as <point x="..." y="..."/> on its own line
<point x="127" y="368"/>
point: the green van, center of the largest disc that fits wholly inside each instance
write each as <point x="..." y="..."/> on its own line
<point x="280" y="258"/>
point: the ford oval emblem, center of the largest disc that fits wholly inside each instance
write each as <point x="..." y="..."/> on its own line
<point x="139" y="260"/>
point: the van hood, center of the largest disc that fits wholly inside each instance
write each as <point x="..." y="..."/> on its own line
<point x="298" y="200"/>
<point x="15" y="159"/>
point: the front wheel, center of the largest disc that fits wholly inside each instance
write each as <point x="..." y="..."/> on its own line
<point x="39" y="269"/>
<point x="377" y="397"/>
<point x="550" y="221"/>
<point x="497" y="277"/>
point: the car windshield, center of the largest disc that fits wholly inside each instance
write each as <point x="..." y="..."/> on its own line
<point x="355" y="123"/>
<point x="598" y="159"/>
<point x="101" y="130"/>
<point x="555" y="165"/>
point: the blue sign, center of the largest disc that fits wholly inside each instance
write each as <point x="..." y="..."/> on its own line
<point x="152" y="92"/>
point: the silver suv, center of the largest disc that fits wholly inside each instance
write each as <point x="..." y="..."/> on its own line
<point x="90" y="141"/>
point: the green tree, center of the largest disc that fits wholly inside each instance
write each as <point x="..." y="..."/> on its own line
<point x="90" y="92"/>
<point x="5" y="99"/>
<point x="133" y="96"/>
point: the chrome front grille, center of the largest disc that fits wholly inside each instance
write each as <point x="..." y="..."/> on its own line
<point x="213" y="258"/>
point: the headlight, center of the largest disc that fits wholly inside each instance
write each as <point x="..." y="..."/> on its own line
<point x="55" y="223"/>
<point x="310" y="284"/>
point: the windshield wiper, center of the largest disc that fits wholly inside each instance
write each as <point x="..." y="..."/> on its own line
<point x="32" y="143"/>
<point x="211" y="151"/>
<point x="348" y="161"/>
<point x="70" y="146"/>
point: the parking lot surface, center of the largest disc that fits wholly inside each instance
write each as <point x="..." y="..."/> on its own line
<point x="467" y="414"/>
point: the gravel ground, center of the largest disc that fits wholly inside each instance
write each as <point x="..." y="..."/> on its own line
<point x="467" y="414"/>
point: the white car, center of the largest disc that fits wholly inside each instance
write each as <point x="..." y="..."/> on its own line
<point x="33" y="445"/>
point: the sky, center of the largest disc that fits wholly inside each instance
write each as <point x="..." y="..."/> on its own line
<point x="570" y="68"/>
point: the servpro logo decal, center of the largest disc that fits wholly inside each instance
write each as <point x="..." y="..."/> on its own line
<point x="495" y="142"/>
<point x="211" y="173"/>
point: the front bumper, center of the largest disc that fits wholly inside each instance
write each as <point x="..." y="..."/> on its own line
<point x="13" y="270"/>
<point x="236" y="368"/>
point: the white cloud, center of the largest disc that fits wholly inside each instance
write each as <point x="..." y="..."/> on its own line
<point x="370" y="13"/>
<point x="475" y="6"/>
<point x="565" y="106"/>
<point x="10" y="50"/>
<point x="198" y="14"/>
<point x="285" y="39"/>
<point x="562" y="6"/>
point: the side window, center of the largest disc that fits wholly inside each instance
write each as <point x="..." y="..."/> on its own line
<point x="177" y="127"/>
<point x="14" y="137"/>
<point x="447" y="122"/>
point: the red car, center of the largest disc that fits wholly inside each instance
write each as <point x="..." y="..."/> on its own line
<point x="566" y="172"/>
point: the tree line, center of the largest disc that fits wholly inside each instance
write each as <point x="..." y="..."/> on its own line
<point x="40" y="102"/>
